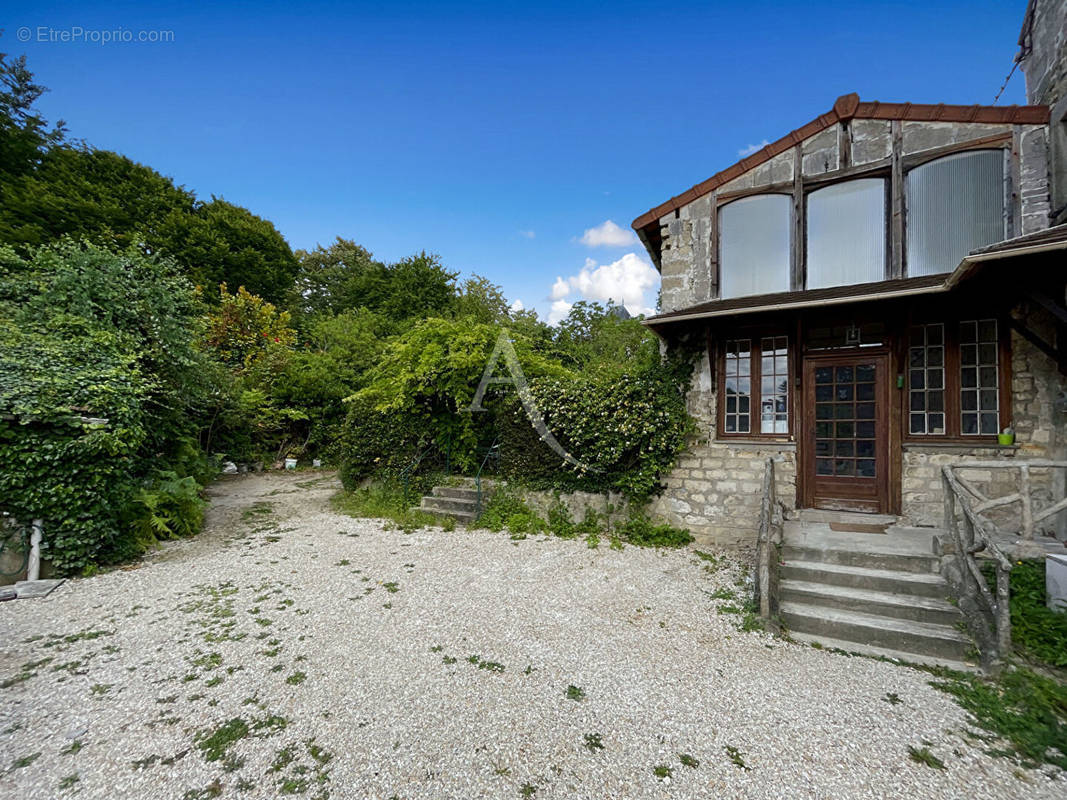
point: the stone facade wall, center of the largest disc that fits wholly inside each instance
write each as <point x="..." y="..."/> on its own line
<point x="716" y="490"/>
<point x="1046" y="65"/>
<point x="686" y="260"/>
<point x="1039" y="414"/>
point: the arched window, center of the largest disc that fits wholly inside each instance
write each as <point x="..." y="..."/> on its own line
<point x="754" y="237"/>
<point x="954" y="205"/>
<point x="846" y="233"/>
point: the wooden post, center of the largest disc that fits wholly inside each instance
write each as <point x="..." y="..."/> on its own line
<point x="1027" y="501"/>
<point x="1003" y="620"/>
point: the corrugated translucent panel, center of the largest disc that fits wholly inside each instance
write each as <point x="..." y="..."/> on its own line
<point x="955" y="204"/>
<point x="846" y="233"/>
<point x="754" y="245"/>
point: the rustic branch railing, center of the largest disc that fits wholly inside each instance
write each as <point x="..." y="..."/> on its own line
<point x="989" y="615"/>
<point x="769" y="536"/>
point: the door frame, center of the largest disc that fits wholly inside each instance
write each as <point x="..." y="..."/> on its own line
<point x="889" y="492"/>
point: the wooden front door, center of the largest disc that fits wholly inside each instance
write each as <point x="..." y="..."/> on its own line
<point x="845" y="444"/>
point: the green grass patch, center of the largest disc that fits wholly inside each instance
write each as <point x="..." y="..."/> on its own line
<point x="385" y="500"/>
<point x="1026" y="710"/>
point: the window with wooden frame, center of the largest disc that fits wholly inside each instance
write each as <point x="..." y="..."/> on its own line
<point x="957" y="379"/>
<point x="754" y="381"/>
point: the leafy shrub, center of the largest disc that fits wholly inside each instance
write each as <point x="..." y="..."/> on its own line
<point x="627" y="428"/>
<point x="170" y="507"/>
<point x="87" y="334"/>
<point x="505" y="508"/>
<point x="641" y="531"/>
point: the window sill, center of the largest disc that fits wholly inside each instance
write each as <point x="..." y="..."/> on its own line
<point x="956" y="445"/>
<point x="742" y="443"/>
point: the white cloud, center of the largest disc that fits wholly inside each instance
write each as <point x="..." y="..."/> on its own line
<point x="560" y="309"/>
<point x="608" y="234"/>
<point x="752" y="148"/>
<point x="631" y="281"/>
<point x="517" y="306"/>
<point x="528" y="234"/>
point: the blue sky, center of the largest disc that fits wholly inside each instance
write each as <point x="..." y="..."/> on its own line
<point x="492" y="133"/>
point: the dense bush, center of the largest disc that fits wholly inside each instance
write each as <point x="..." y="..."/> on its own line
<point x="627" y="428"/>
<point x="419" y="392"/>
<point x="86" y="335"/>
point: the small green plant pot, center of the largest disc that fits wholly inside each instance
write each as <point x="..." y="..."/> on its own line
<point x="1005" y="438"/>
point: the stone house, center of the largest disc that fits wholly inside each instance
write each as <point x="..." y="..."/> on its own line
<point x="875" y="295"/>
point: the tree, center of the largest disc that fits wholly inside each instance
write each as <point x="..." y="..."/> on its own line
<point x="96" y="195"/>
<point x="331" y="280"/>
<point x="24" y="133"/>
<point x="223" y="243"/>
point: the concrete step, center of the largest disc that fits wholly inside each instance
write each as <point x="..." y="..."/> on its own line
<point x="449" y="505"/>
<point x="904" y="562"/>
<point x="458" y="492"/>
<point x="875" y="580"/>
<point x="846" y="517"/>
<point x="830" y="643"/>
<point x="886" y="604"/>
<point x="465" y="517"/>
<point x="918" y="639"/>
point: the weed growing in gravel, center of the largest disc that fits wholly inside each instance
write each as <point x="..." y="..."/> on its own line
<point x="213" y="789"/>
<point x="574" y="693"/>
<point x="391" y="586"/>
<point x="69" y="781"/>
<point x="922" y="755"/>
<point x="481" y="663"/>
<point x="527" y="790"/>
<point x="213" y="746"/>
<point x="26" y="671"/>
<point x="449" y="659"/>
<point x="661" y="771"/>
<point x="593" y="742"/>
<point x="25" y="761"/>
<point x="892" y="698"/>
<point x="736" y="757"/>
<point x="100" y="689"/>
<point x="296" y="678"/>
<point x="688" y="761"/>
<point x="437" y="648"/>
<point x="75" y="746"/>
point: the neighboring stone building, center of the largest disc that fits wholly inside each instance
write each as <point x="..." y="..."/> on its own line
<point x="876" y="294"/>
<point x="1043" y="57"/>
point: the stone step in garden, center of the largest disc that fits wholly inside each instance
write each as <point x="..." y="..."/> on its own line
<point x="878" y="580"/>
<point x="888" y="604"/>
<point x="458" y="500"/>
<point x="912" y="640"/>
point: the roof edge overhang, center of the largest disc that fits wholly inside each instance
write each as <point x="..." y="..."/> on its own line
<point x="848" y="107"/>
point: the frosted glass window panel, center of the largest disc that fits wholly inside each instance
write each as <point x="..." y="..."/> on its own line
<point x="955" y="205"/>
<point x="846" y="233"/>
<point x="754" y="245"/>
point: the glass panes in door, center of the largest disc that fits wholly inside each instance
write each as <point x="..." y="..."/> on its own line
<point x="845" y="421"/>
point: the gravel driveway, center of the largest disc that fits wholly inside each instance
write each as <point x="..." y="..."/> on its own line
<point x="290" y="651"/>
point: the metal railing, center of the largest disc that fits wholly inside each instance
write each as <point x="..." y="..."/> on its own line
<point x="988" y="611"/>
<point x="492" y="454"/>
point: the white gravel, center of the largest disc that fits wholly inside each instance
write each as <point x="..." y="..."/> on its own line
<point x="662" y="672"/>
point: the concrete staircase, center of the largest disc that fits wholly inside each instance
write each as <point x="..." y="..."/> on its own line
<point x="878" y="594"/>
<point x="459" y="501"/>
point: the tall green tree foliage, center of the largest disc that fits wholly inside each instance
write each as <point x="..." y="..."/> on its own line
<point x="24" y="133"/>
